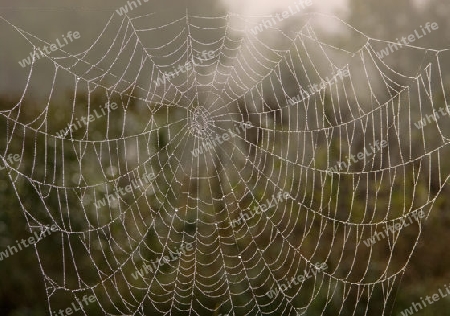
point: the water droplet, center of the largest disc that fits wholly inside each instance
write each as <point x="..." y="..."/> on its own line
<point x="239" y="256"/>
<point x="176" y="210"/>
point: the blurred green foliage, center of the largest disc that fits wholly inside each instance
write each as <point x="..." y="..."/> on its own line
<point x="22" y="289"/>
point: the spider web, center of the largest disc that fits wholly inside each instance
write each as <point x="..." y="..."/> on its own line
<point x="289" y="147"/>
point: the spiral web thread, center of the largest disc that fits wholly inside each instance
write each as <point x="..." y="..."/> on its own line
<point x="289" y="147"/>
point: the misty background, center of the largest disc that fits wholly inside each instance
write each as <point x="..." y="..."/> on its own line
<point x="22" y="289"/>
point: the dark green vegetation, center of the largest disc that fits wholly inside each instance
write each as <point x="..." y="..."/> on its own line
<point x="22" y="288"/>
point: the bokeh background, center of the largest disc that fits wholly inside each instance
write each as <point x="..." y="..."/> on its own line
<point x="22" y="289"/>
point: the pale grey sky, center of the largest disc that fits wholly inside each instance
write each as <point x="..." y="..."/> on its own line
<point x="53" y="18"/>
<point x="262" y="7"/>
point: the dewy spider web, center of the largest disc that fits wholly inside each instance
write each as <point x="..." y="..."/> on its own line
<point x="190" y="203"/>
